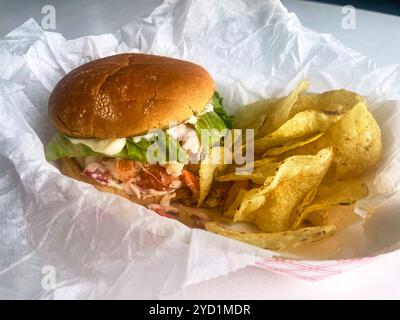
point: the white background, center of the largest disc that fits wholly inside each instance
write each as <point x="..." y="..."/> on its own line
<point x="376" y="35"/>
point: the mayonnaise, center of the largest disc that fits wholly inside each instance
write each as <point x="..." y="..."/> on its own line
<point x="208" y="108"/>
<point x="192" y="120"/>
<point x="104" y="146"/>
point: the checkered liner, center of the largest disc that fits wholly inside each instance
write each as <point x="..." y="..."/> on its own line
<point x="311" y="270"/>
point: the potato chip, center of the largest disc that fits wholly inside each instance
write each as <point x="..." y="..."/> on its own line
<point x="274" y="241"/>
<point x="235" y="204"/>
<point x="252" y="200"/>
<point x="284" y="185"/>
<point x="302" y="126"/>
<point x="339" y="193"/>
<point x="356" y="141"/>
<point x="334" y="102"/>
<point x="214" y="161"/>
<point x="253" y="115"/>
<point x="341" y="217"/>
<point x="279" y="150"/>
<point x="282" y="110"/>
<point x="258" y="175"/>
<point x="234" y="177"/>
<point x="233" y="191"/>
<point x="292" y="187"/>
<point x="261" y="162"/>
<point x="317" y="218"/>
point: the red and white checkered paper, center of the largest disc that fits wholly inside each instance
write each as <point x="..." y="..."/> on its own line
<point x="311" y="270"/>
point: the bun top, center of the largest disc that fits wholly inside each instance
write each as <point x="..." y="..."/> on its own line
<point x="128" y="94"/>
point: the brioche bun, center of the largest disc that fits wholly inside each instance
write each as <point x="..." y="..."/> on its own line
<point x="128" y="94"/>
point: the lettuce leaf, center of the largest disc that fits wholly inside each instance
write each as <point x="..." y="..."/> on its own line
<point x="61" y="147"/>
<point x="212" y="122"/>
<point x="134" y="150"/>
<point x="220" y="111"/>
<point x="138" y="150"/>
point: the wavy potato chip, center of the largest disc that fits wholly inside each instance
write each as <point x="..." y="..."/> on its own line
<point x="264" y="161"/>
<point x="235" y="177"/>
<point x="334" y="102"/>
<point x="355" y="139"/>
<point x="274" y="152"/>
<point x="317" y="218"/>
<point x="293" y="187"/>
<point x="233" y="191"/>
<point x="301" y="126"/>
<point x="254" y="114"/>
<point x="259" y="174"/>
<point x="214" y="161"/>
<point x="338" y="193"/>
<point x="235" y="204"/>
<point x="274" y="241"/>
<point x="282" y="110"/>
<point x="251" y="201"/>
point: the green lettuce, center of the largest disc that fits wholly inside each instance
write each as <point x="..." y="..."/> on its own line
<point x="61" y="147"/>
<point x="212" y="122"/>
<point x="171" y="146"/>
<point x="134" y="150"/>
<point x="220" y="111"/>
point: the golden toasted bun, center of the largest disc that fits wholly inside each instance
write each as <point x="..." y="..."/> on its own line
<point x="71" y="168"/>
<point x="127" y="95"/>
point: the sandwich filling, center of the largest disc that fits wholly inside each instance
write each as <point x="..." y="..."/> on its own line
<point x="123" y="163"/>
<point x="143" y="180"/>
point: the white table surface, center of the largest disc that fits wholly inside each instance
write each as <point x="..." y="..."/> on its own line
<point x="375" y="36"/>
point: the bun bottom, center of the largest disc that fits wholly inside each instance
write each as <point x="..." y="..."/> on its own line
<point x="71" y="168"/>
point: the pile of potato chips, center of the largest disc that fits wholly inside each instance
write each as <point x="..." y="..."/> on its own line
<point x="311" y="154"/>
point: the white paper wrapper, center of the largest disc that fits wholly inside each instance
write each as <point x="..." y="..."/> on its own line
<point x="97" y="245"/>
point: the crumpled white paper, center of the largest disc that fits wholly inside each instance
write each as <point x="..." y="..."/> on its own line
<point x="60" y="238"/>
